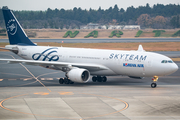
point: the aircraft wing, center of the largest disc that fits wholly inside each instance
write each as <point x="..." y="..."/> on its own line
<point x="58" y="65"/>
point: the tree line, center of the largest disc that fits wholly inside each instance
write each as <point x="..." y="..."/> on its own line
<point x="159" y="16"/>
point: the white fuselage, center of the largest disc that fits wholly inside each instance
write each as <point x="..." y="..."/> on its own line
<point x="129" y="63"/>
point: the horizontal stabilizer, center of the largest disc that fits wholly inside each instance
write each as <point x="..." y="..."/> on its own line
<point x="12" y="48"/>
<point x="4" y="48"/>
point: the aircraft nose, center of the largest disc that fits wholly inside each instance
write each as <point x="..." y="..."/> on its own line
<point x="174" y="67"/>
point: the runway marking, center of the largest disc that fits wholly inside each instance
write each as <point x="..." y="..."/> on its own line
<point x="1" y="105"/>
<point x="27" y="79"/>
<point x="46" y="78"/>
<point x="49" y="78"/>
<point x="26" y="83"/>
<point x="32" y="74"/>
<point x="47" y="74"/>
<point x="41" y="93"/>
<point x="11" y="79"/>
<point x="125" y="107"/>
<point x="17" y="74"/>
<point x="66" y="93"/>
<point x="35" y="77"/>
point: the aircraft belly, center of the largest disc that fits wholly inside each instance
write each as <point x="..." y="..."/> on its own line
<point x="103" y="73"/>
<point x="138" y="72"/>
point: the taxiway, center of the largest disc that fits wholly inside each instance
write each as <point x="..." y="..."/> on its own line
<point x="33" y="92"/>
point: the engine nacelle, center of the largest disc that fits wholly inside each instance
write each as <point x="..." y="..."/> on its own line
<point x="79" y="75"/>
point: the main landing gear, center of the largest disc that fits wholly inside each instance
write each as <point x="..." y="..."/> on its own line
<point x="99" y="79"/>
<point x="65" y="81"/>
<point x="155" y="79"/>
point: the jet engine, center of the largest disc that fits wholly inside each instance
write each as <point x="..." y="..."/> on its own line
<point x="79" y="75"/>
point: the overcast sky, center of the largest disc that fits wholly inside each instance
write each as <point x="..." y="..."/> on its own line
<point x="84" y="4"/>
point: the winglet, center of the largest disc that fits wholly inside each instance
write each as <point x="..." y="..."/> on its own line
<point x="140" y="48"/>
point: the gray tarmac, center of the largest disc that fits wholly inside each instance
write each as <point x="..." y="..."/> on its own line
<point x="109" y="40"/>
<point x="34" y="93"/>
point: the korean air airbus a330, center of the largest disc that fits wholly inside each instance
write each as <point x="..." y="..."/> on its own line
<point x="79" y="63"/>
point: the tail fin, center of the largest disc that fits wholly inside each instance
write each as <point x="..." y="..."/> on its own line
<point x="16" y="34"/>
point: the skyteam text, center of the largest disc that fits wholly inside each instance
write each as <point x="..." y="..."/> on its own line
<point x="127" y="56"/>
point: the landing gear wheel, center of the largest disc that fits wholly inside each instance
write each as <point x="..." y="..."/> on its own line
<point x="71" y="82"/>
<point x="104" y="79"/>
<point x="94" y="79"/>
<point x="155" y="79"/>
<point x="61" y="80"/>
<point x="99" y="79"/>
<point x="66" y="81"/>
<point x="153" y="85"/>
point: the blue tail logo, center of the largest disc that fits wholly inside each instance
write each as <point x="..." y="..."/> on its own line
<point x="12" y="27"/>
<point x="16" y="34"/>
<point x="46" y="55"/>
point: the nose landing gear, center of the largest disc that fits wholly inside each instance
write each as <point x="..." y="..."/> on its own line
<point x="155" y="79"/>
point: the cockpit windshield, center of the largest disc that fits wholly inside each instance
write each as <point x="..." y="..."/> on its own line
<point x="166" y="61"/>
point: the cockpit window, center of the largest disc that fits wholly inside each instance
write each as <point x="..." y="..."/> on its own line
<point x="170" y="61"/>
<point x="166" y="61"/>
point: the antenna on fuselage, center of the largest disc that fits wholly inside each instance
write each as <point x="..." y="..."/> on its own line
<point x="140" y="48"/>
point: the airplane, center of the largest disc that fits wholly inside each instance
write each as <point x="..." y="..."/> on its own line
<point x="79" y="64"/>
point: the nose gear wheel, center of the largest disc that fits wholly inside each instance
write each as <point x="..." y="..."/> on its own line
<point x="155" y="79"/>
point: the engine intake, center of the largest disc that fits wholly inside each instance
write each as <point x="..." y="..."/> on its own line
<point x="79" y="75"/>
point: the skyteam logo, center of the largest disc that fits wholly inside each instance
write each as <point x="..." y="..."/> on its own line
<point x="133" y="65"/>
<point x="12" y="26"/>
<point x="46" y="55"/>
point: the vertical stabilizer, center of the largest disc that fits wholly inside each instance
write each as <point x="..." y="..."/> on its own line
<point x="16" y="34"/>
